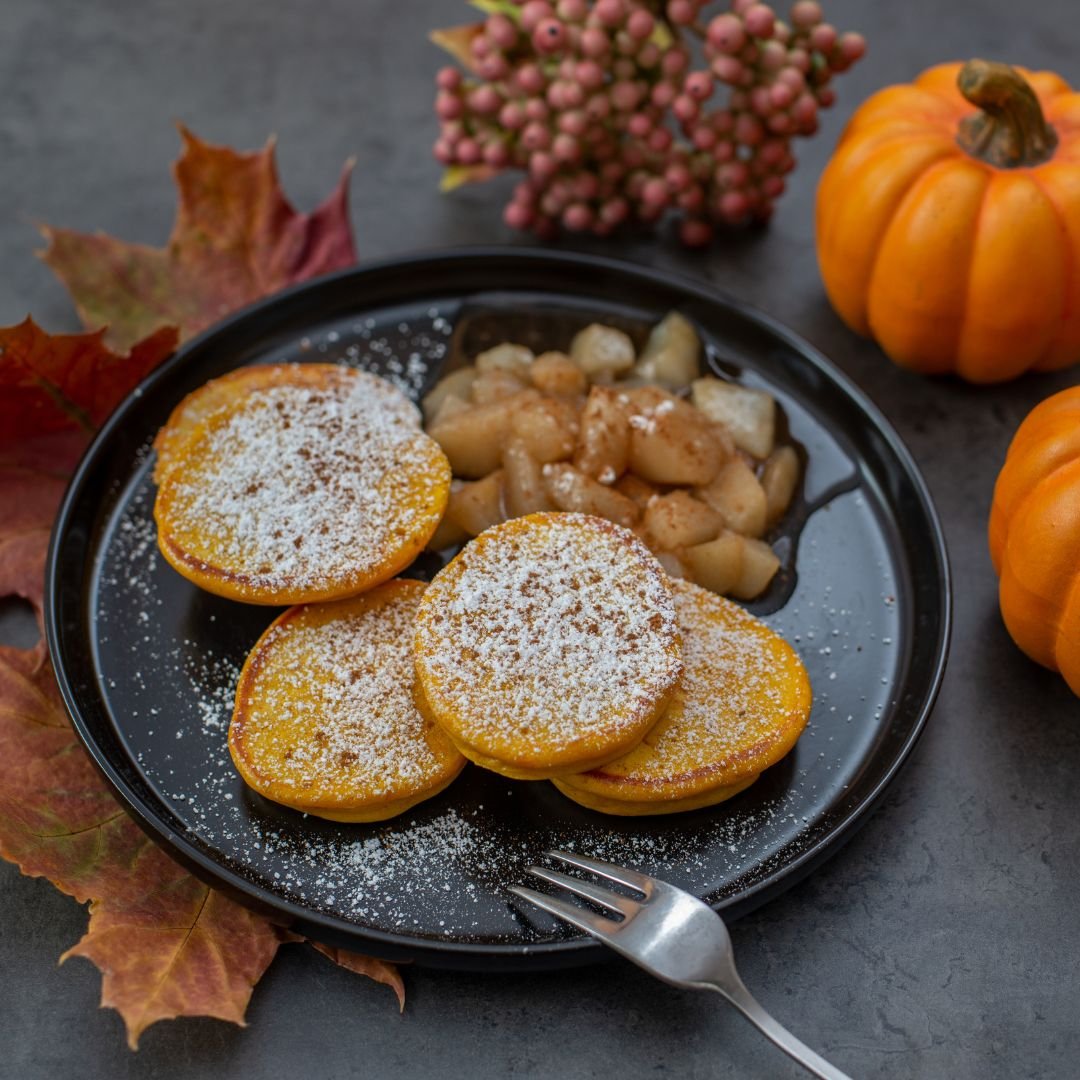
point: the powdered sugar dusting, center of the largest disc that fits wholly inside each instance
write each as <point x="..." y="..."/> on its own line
<point x="300" y="487"/>
<point x="329" y="714"/>
<point x="549" y="634"/>
<point x="733" y="696"/>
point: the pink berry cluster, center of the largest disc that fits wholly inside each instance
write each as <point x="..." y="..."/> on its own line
<point x="614" y="117"/>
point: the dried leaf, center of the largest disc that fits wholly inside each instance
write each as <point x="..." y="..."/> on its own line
<point x="54" y="389"/>
<point x="508" y="8"/>
<point x="166" y="944"/>
<point x="456" y="41"/>
<point x="455" y="175"/>
<point x="236" y="238"/>
<point x="379" y="970"/>
<point x="182" y="950"/>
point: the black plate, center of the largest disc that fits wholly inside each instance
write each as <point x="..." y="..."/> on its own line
<point x="147" y="662"/>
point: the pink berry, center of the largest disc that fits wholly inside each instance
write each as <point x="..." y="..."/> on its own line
<point x="681" y="12"/>
<point x="549" y="36"/>
<point x="674" y="62"/>
<point x="485" y="100"/>
<point x="772" y="151"/>
<point x="594" y="42"/>
<point x="781" y="95"/>
<point x="585" y="186"/>
<point x="512" y="116"/>
<point x="806" y="14"/>
<point x="448" y="106"/>
<point x="852" y="47"/>
<point x="698" y="85"/>
<point x="773" y="186"/>
<point x="772" y="55"/>
<point x="760" y="20"/>
<point x="536" y="109"/>
<point x="685" y="108"/>
<point x="804" y="111"/>
<point x="530" y="79"/>
<point x="518" y="216"/>
<point x="625" y="96"/>
<point x="533" y="13"/>
<point x="761" y="100"/>
<point x="566" y="148"/>
<point x="501" y="30"/>
<point x="726" y="33"/>
<point x="826" y="97"/>
<point x="590" y="74"/>
<point x="443" y="151"/>
<point x="654" y="192"/>
<point x="536" y="136"/>
<point x="748" y="129"/>
<point x="639" y="125"/>
<point x="497" y="154"/>
<point x="723" y="151"/>
<point x="598" y="106"/>
<point x="728" y="69"/>
<point x="734" y="206"/>
<point x="640" y="24"/>
<point x="574" y="122"/>
<point x="823" y="38"/>
<point x="572" y="10"/>
<point x="800" y="60"/>
<point x="694" y="232"/>
<point x="610" y="12"/>
<point x="663" y="94"/>
<point x="649" y="55"/>
<point x="660" y="139"/>
<point x="480" y="46"/>
<point x="733" y="175"/>
<point x="791" y="77"/>
<point x="677" y="176"/>
<point x="493" y="67"/>
<point x="615" y="211"/>
<point x="703" y="138"/>
<point x="449" y="78"/>
<point x="693" y="200"/>
<point x="578" y="216"/>
<point x="542" y="165"/>
<point x="780" y="123"/>
<point x="468" y="151"/>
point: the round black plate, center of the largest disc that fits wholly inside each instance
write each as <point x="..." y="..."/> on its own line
<point x="147" y="662"/>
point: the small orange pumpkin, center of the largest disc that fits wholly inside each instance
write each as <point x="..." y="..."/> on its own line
<point x="1035" y="535"/>
<point x="952" y="236"/>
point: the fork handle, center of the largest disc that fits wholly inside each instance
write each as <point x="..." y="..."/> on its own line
<point x="746" y="1003"/>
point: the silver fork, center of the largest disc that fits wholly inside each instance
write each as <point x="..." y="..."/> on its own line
<point x="671" y="934"/>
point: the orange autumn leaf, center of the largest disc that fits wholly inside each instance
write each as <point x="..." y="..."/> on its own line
<point x="180" y="949"/>
<point x="379" y="970"/>
<point x="235" y="239"/>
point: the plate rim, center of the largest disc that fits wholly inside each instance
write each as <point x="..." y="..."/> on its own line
<point x="457" y="954"/>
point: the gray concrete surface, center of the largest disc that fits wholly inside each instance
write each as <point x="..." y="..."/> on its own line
<point x="942" y="942"/>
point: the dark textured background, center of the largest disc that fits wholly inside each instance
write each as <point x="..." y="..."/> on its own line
<point x="942" y="942"/>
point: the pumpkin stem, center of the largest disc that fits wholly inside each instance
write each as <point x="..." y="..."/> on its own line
<point x="1009" y="130"/>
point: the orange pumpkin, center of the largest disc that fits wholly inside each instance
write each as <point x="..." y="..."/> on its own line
<point x="948" y="222"/>
<point x="1035" y="535"/>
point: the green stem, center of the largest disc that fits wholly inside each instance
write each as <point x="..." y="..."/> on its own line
<point x="1009" y="131"/>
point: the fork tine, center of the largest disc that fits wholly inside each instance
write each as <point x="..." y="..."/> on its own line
<point x="583" y="919"/>
<point x="621" y="875"/>
<point x="604" y="897"/>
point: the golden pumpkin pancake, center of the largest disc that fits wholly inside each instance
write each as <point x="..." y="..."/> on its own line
<point x="547" y="646"/>
<point x="743" y="701"/>
<point x="324" y="719"/>
<point x="297" y="483"/>
<point x="202" y="403"/>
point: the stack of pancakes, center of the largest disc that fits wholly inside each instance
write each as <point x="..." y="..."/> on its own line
<point x="552" y="646"/>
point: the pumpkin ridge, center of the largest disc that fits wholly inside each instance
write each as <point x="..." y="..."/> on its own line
<point x="926" y="175"/>
<point x="966" y="305"/>
<point x="1068" y="270"/>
